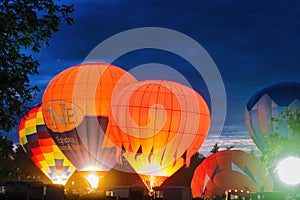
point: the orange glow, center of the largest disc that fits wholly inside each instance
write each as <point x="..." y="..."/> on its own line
<point x="76" y="105"/>
<point x="153" y="174"/>
<point x="40" y="147"/>
<point x="93" y="177"/>
<point x="152" y="181"/>
<point x="82" y="90"/>
<point x="154" y="167"/>
<point x="159" y="124"/>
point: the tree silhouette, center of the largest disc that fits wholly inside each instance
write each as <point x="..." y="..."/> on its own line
<point x="215" y="148"/>
<point x="25" y="168"/>
<point x="16" y="165"/>
<point x="26" y="26"/>
<point x="6" y="157"/>
<point x="229" y="147"/>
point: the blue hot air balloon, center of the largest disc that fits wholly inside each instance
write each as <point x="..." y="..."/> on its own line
<point x="267" y="105"/>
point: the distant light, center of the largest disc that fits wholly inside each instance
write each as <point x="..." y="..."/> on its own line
<point x="235" y="190"/>
<point x="288" y="170"/>
<point x="242" y="190"/>
<point x="93" y="180"/>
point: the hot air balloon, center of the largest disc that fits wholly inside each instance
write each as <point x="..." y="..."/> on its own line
<point x="76" y="105"/>
<point x="159" y="125"/>
<point x="40" y="147"/>
<point x="268" y="104"/>
<point x="227" y="170"/>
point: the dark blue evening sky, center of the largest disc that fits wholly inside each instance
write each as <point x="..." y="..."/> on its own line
<point x="253" y="43"/>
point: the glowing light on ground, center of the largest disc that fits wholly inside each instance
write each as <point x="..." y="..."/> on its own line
<point x="288" y="170"/>
<point x="61" y="180"/>
<point x="93" y="180"/>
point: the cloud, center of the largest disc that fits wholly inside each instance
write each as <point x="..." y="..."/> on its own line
<point x="232" y="135"/>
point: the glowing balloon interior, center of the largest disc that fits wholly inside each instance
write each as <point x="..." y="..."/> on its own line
<point x="159" y="125"/>
<point x="227" y="170"/>
<point x="40" y="147"/>
<point x="76" y="105"/>
<point x="268" y="104"/>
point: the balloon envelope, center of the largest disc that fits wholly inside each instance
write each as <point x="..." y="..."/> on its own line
<point x="76" y="104"/>
<point x="268" y="103"/>
<point x="159" y="125"/>
<point x="40" y="147"/>
<point x="227" y="170"/>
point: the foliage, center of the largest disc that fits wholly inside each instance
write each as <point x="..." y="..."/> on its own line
<point x="25" y="27"/>
<point x="290" y="118"/>
<point x="215" y="148"/>
<point x="24" y="167"/>
<point x="6" y="148"/>
<point x="229" y="147"/>
<point x="6" y="157"/>
<point x="252" y="151"/>
<point x="15" y="164"/>
<point x="280" y="147"/>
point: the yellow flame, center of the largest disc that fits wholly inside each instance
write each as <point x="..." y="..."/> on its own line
<point x="151" y="183"/>
<point x="93" y="180"/>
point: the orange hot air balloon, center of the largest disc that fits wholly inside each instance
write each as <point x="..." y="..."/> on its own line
<point x="40" y="147"/>
<point x="159" y="125"/>
<point x="227" y="170"/>
<point x="76" y="105"/>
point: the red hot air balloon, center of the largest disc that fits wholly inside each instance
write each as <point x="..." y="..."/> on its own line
<point x="227" y="170"/>
<point x="40" y="147"/>
<point x="159" y="125"/>
<point x="76" y="105"/>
